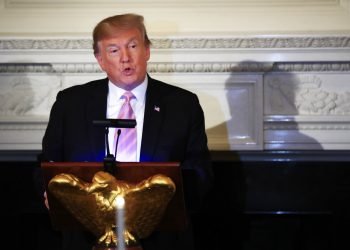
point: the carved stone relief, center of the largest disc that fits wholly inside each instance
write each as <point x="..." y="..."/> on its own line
<point x="27" y="95"/>
<point x="310" y="94"/>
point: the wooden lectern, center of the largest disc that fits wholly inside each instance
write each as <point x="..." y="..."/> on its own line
<point x="174" y="218"/>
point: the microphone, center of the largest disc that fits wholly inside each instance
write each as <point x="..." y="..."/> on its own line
<point x="115" y="123"/>
<point x="109" y="160"/>
<point x="116" y="143"/>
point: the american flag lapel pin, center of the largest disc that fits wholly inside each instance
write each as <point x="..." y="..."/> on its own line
<point x="156" y="108"/>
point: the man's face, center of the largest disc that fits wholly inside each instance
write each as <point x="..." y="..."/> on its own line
<point x="124" y="58"/>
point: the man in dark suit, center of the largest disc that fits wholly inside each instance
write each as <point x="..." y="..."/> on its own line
<point x="170" y="120"/>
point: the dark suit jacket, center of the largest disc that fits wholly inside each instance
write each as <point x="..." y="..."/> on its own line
<point x="173" y="129"/>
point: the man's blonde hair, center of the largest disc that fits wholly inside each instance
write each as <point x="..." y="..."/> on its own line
<point x="111" y="25"/>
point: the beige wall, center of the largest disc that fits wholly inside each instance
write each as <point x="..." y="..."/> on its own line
<point x="178" y="17"/>
<point x="270" y="75"/>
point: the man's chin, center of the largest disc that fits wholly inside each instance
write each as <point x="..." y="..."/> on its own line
<point x="128" y="85"/>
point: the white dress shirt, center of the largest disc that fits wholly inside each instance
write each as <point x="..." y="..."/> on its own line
<point x="115" y="102"/>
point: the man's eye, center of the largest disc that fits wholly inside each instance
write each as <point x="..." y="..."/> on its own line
<point x="112" y="51"/>
<point x="133" y="46"/>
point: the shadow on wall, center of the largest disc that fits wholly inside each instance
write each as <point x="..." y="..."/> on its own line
<point x="236" y="188"/>
<point x="289" y="101"/>
<point x="286" y="98"/>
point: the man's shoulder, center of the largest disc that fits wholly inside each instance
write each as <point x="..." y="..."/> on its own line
<point x="170" y="89"/>
<point x="86" y="88"/>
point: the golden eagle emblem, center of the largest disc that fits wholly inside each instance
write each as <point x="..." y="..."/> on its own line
<point x="93" y="204"/>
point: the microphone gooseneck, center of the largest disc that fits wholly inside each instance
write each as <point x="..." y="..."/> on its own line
<point x="106" y="141"/>
<point x="116" y="143"/>
<point x="109" y="160"/>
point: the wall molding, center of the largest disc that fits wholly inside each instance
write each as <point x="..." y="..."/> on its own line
<point x="258" y="93"/>
<point x="209" y="67"/>
<point x="254" y="42"/>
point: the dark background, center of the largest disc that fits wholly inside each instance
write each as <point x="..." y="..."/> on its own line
<point x="260" y="200"/>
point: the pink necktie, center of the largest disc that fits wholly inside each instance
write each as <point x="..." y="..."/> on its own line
<point x="126" y="151"/>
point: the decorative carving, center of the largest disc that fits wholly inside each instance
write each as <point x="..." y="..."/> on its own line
<point x="209" y="67"/>
<point x="180" y="67"/>
<point x="76" y="68"/>
<point x="23" y="96"/>
<point x="25" y="68"/>
<point x="152" y="67"/>
<point x="189" y="43"/>
<point x="314" y="66"/>
<point x="305" y="95"/>
<point x="45" y="44"/>
<point x="320" y="125"/>
<point x="254" y="42"/>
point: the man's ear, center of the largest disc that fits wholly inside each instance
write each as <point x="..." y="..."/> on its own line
<point x="99" y="59"/>
<point x="148" y="52"/>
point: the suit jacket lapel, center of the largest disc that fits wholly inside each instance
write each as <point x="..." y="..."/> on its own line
<point x="96" y="110"/>
<point x="152" y="122"/>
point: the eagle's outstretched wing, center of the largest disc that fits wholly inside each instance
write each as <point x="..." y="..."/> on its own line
<point x="74" y="196"/>
<point x="145" y="204"/>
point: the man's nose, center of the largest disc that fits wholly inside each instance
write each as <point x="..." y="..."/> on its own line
<point x="125" y="56"/>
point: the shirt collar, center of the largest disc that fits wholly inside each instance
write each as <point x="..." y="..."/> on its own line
<point x="139" y="92"/>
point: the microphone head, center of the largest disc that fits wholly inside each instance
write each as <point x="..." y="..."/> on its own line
<point x="115" y="123"/>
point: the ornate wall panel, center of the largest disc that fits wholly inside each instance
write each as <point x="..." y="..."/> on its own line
<point x="232" y="103"/>
<point x="280" y="92"/>
<point x="307" y="110"/>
